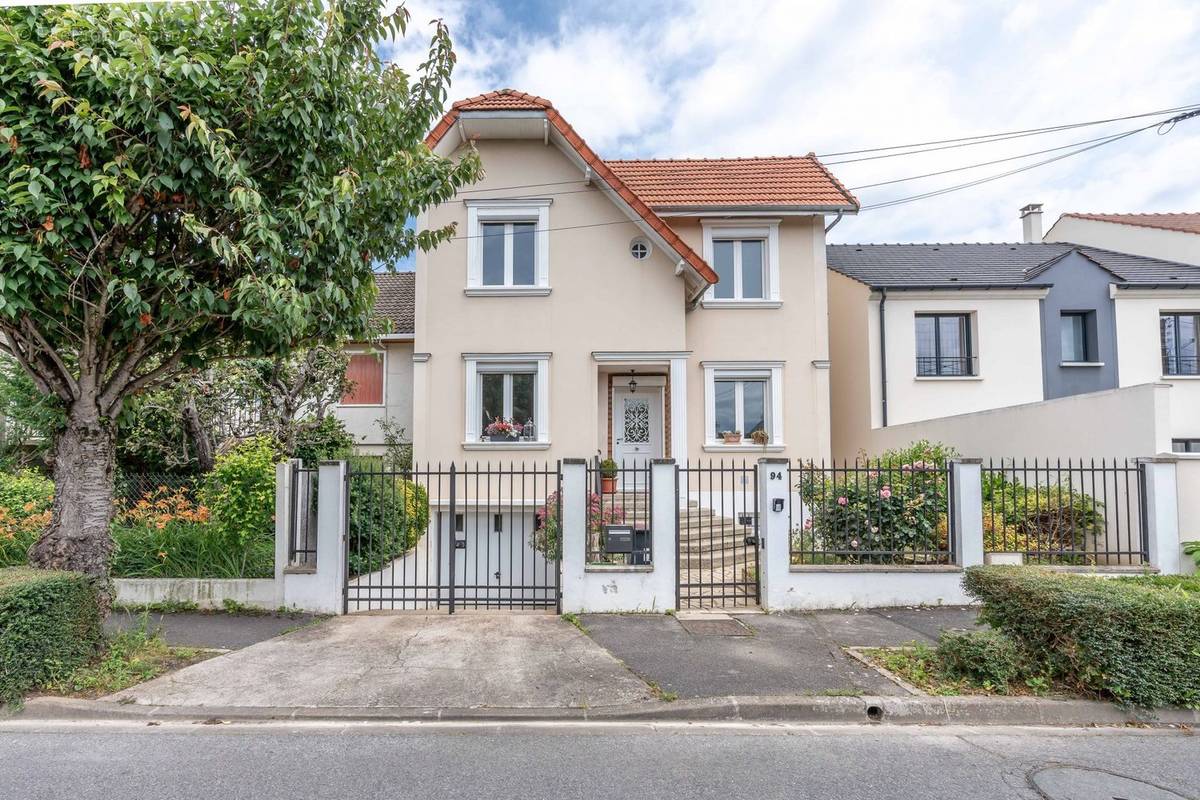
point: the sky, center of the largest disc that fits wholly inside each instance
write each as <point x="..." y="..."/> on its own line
<point x="703" y="78"/>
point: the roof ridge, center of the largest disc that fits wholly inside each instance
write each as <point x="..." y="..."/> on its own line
<point x="498" y="93"/>
<point x="690" y="159"/>
<point x="1131" y="213"/>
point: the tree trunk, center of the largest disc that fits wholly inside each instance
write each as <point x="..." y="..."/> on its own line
<point x="77" y="537"/>
<point x="199" y="435"/>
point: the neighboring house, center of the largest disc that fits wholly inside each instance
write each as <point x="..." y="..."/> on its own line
<point x="925" y="331"/>
<point x="1172" y="237"/>
<point x="632" y="309"/>
<point x="381" y="372"/>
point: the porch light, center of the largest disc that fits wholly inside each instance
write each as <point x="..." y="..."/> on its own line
<point x="632" y="384"/>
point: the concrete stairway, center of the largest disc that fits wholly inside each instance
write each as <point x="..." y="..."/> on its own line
<point x="706" y="538"/>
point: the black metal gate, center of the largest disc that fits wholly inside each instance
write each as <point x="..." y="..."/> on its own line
<point x="445" y="538"/>
<point x="717" y="540"/>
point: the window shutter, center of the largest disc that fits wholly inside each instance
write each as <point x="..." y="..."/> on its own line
<point x="365" y="372"/>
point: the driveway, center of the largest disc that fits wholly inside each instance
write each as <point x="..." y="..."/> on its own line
<point x="408" y="661"/>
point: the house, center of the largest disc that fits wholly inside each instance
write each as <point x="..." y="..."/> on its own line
<point x="1172" y="237"/>
<point x="929" y="331"/>
<point x="632" y="309"/>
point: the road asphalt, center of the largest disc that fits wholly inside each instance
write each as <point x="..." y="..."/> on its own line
<point x="100" y="761"/>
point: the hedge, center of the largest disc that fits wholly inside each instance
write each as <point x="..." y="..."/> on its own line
<point x="49" y="624"/>
<point x="1134" y="640"/>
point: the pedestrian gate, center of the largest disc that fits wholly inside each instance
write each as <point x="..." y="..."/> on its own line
<point x="717" y="545"/>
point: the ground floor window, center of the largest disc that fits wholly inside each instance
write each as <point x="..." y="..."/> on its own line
<point x="507" y="399"/>
<point x="743" y="403"/>
<point x="1185" y="445"/>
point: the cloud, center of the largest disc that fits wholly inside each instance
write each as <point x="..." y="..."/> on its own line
<point x="696" y="77"/>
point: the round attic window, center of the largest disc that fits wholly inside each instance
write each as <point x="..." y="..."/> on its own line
<point x="639" y="248"/>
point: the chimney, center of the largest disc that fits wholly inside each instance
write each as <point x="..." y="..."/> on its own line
<point x="1031" y="223"/>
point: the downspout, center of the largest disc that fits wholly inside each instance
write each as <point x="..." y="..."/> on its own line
<point x="883" y="357"/>
<point x="836" y="220"/>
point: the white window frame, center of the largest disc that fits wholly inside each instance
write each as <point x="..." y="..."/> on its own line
<point x="769" y="371"/>
<point x="765" y="230"/>
<point x="508" y="212"/>
<point x="383" y="395"/>
<point x="477" y="364"/>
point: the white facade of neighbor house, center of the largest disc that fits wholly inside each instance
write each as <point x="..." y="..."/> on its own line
<point x="1170" y="245"/>
<point x="1140" y="314"/>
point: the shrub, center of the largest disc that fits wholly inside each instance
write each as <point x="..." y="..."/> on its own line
<point x="25" y="499"/>
<point x="1138" y="642"/>
<point x="241" y="491"/>
<point x="1033" y="519"/>
<point x="985" y="658"/>
<point x="388" y="516"/>
<point x="324" y="439"/>
<point x="49" y="624"/>
<point x="891" y="510"/>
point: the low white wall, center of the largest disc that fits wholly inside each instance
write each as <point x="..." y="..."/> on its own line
<point x="206" y="593"/>
<point x="809" y="589"/>
<point x="1187" y="483"/>
<point x="612" y="589"/>
<point x="1129" y="422"/>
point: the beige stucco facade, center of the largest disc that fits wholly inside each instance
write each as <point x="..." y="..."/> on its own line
<point x="604" y="313"/>
<point x="1123" y="238"/>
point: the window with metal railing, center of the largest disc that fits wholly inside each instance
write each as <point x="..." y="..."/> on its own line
<point x="1180" y="354"/>
<point x="944" y="346"/>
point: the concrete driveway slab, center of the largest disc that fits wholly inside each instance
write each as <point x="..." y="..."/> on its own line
<point x="408" y="661"/>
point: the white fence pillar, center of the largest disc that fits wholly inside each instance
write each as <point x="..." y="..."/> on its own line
<point x="774" y="532"/>
<point x="322" y="590"/>
<point x="1161" y="500"/>
<point x="967" y="481"/>
<point x="283" y="525"/>
<point x="573" y="533"/>
<point x="664" y="525"/>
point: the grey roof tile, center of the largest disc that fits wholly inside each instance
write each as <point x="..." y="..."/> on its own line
<point x="396" y="305"/>
<point x="949" y="266"/>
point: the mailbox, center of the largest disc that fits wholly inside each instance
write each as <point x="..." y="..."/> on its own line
<point x="618" y="539"/>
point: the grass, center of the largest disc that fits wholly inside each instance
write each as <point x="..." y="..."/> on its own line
<point x="575" y="620"/>
<point x="919" y="665"/>
<point x="129" y="658"/>
<point x="662" y="694"/>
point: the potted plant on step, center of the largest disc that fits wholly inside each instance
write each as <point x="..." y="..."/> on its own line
<point x="732" y="437"/>
<point x="608" y="476"/>
<point x="503" y="430"/>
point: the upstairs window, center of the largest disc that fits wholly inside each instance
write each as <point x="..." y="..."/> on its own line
<point x="740" y="265"/>
<point x="508" y="254"/>
<point x="1077" y="332"/>
<point x="745" y="256"/>
<point x="944" y="345"/>
<point x="508" y="247"/>
<point x="1179" y="350"/>
<point x="364" y="373"/>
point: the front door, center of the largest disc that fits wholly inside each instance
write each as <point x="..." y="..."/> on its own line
<point x="637" y="427"/>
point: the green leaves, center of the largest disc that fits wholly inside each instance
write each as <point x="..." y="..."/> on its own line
<point x="220" y="174"/>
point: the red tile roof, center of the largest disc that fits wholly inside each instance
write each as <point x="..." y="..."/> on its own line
<point x="1185" y="222"/>
<point x="772" y="182"/>
<point x="510" y="99"/>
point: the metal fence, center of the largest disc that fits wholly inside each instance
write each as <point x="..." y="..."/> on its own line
<point x="1080" y="513"/>
<point x="871" y="513"/>
<point x="302" y="524"/>
<point x="132" y="488"/>
<point x="717" y="552"/>
<point x="618" y="513"/>
<point x="450" y="537"/>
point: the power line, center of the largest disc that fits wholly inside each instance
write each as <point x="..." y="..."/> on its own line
<point x="946" y="190"/>
<point x="988" y="138"/>
<point x="989" y="163"/>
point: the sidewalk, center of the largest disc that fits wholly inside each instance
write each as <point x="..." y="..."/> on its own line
<point x="215" y="629"/>
<point x="780" y="654"/>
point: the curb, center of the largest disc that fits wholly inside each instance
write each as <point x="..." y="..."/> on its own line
<point x="780" y="709"/>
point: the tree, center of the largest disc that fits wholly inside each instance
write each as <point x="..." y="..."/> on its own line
<point x="187" y="182"/>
